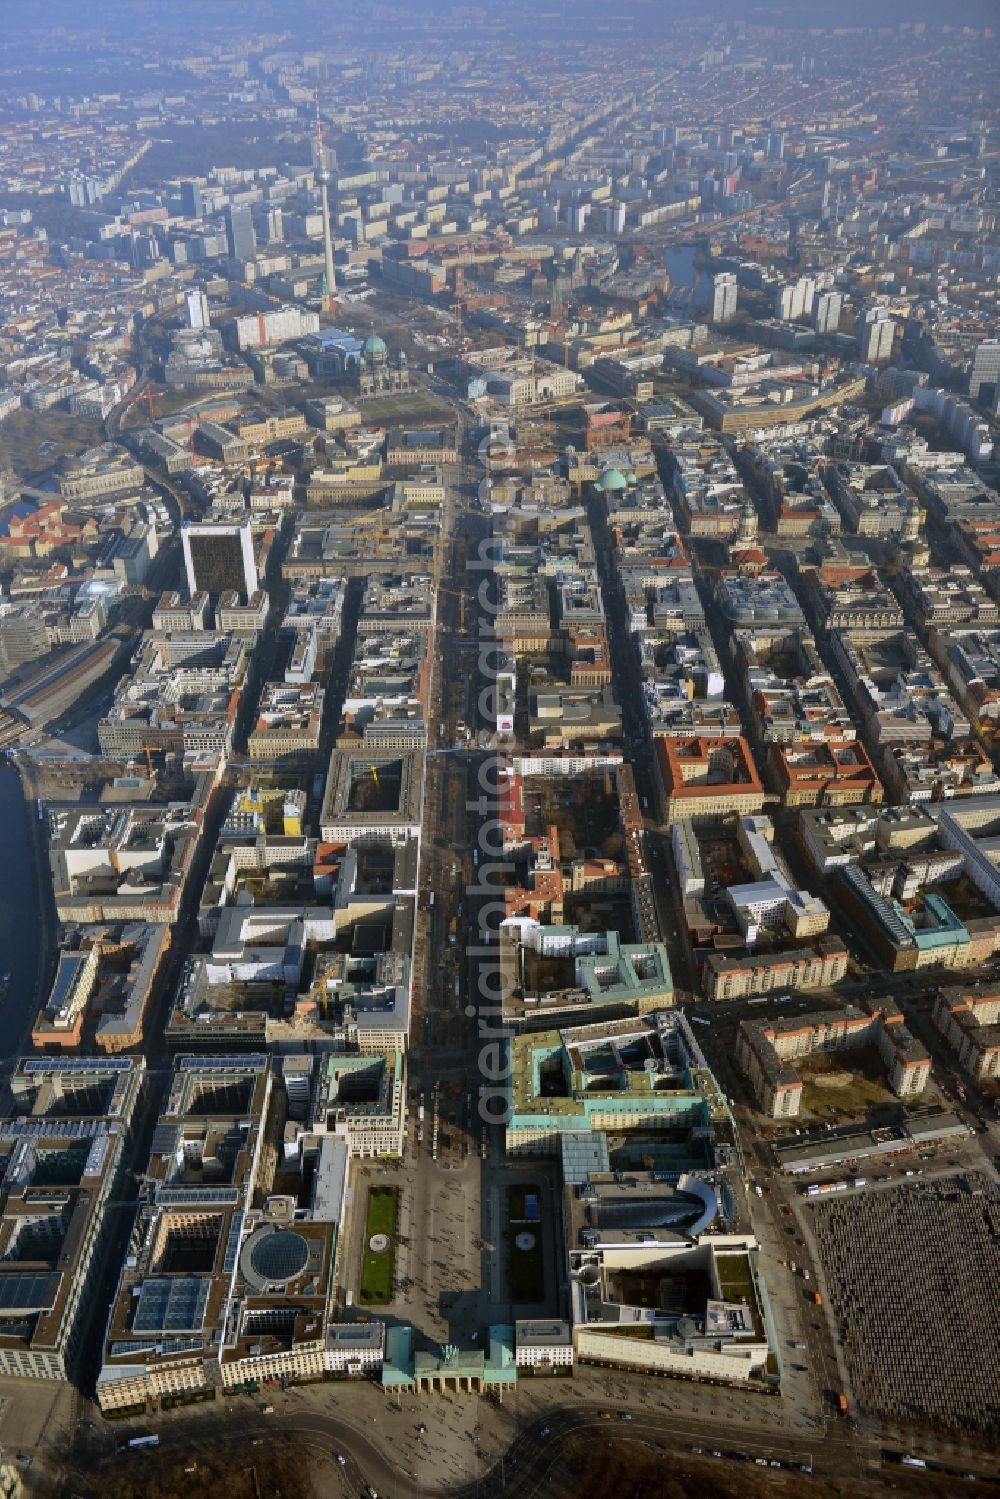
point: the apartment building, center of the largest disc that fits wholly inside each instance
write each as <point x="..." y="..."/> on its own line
<point x="766" y="1049"/>
<point x="818" y="967"/>
<point x="970" y="1023"/>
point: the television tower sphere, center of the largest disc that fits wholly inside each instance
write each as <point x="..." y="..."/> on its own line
<point x="323" y="175"/>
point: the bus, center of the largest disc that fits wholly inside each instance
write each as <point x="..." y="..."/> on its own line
<point x="146" y="1441"/>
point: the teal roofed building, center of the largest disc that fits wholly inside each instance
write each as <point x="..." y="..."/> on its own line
<point x="936" y="926"/>
<point x="562" y="971"/>
<point x="612" y="480"/>
<point x="642" y="1073"/>
<point x="449" y="1368"/>
<point x="378" y="373"/>
<point x="374" y="347"/>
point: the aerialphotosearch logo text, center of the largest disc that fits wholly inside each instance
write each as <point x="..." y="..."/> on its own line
<point x="492" y="869"/>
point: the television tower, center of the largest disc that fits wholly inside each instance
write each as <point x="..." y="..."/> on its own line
<point x="323" y="178"/>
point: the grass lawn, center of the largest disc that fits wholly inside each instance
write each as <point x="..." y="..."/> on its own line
<point x="25" y="432"/>
<point x="377" y="1270"/>
<point x="527" y="1260"/>
<point x="865" y="1090"/>
<point x="409" y="408"/>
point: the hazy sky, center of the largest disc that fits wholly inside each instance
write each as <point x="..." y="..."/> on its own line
<point x="189" y="19"/>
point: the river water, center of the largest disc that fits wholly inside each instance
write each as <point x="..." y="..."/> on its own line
<point x="690" y="287"/>
<point x="19" y="955"/>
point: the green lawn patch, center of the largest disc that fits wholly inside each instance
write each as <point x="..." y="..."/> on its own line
<point x="378" y="1265"/>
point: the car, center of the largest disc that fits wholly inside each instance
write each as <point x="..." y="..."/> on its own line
<point x="545" y="1431"/>
<point x="342" y="1460"/>
<point x="624" y="1416"/>
<point x="716" y="1452"/>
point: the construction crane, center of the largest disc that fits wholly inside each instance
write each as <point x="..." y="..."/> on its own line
<point x="374" y="773"/>
<point x="148" y="397"/>
<point x="374" y="521"/>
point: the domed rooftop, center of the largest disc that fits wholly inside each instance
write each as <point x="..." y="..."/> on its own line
<point x="272" y="1257"/>
<point x="280" y="1256"/>
<point x="612" y="480"/>
<point x="373" y="347"/>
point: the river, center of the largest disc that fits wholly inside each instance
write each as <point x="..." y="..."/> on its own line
<point x="19" y="925"/>
<point x="689" y="286"/>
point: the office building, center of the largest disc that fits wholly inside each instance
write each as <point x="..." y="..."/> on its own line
<point x="196" y="304"/>
<point x="701" y="778"/>
<point x="724" y="293"/>
<point x="986" y="372"/>
<point x="241" y="241"/>
<point x="219" y="559"/>
<point x="259" y="329"/>
<point x="61" y="1153"/>
<point x="636" y="1073"/>
<point x="229" y="1278"/>
<point x="565" y="973"/>
<point x="112" y="863"/>
<point x="24" y="635"/>
<point x="268" y="223"/>
<point x="191" y="200"/>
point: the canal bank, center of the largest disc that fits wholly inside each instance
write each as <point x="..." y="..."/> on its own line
<point x="27" y="917"/>
<point x="690" y="286"/>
